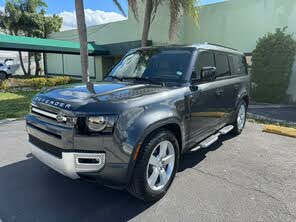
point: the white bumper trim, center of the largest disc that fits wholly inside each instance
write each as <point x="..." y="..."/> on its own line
<point x="68" y="165"/>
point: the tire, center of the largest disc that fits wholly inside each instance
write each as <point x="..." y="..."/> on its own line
<point x="240" y="118"/>
<point x="3" y="76"/>
<point x="145" y="171"/>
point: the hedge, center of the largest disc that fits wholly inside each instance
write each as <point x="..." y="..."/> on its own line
<point x="34" y="83"/>
<point x="272" y="62"/>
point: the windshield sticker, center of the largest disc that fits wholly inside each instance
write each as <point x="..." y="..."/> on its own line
<point x="179" y="73"/>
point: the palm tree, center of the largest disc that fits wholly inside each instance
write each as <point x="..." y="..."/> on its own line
<point x="81" y="26"/>
<point x="82" y="32"/>
<point x="177" y="9"/>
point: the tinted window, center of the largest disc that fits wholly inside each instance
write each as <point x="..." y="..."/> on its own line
<point x="238" y="65"/>
<point x="205" y="59"/>
<point x="222" y="65"/>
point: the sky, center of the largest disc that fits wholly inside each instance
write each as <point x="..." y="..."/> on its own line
<point x="96" y="11"/>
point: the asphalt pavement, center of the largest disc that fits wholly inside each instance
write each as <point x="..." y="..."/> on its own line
<point x="251" y="177"/>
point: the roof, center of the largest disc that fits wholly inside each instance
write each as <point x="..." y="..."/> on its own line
<point x="22" y="43"/>
<point x="207" y="46"/>
<point x="216" y="47"/>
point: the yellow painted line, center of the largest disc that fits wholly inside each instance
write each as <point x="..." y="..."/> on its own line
<point x="280" y="130"/>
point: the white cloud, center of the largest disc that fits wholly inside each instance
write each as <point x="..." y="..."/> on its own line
<point x="92" y="17"/>
<point x="2" y="9"/>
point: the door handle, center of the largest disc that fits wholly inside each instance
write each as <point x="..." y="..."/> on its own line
<point x="219" y="92"/>
<point x="236" y="86"/>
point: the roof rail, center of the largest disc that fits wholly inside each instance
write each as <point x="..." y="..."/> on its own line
<point x="208" y="43"/>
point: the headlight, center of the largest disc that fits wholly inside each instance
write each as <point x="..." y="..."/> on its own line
<point x="97" y="124"/>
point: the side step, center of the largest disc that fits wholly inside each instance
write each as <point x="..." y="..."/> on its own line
<point x="212" y="139"/>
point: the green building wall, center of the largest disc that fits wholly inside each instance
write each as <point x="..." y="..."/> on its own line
<point x="239" y="23"/>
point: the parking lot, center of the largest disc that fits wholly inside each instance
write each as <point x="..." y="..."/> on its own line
<point x="251" y="177"/>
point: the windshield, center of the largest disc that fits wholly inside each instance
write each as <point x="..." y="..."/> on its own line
<point x="163" y="65"/>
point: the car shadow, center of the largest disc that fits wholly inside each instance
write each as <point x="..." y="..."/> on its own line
<point x="192" y="159"/>
<point x="31" y="191"/>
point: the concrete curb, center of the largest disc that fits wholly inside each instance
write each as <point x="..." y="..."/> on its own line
<point x="279" y="130"/>
<point x="270" y="120"/>
<point x="3" y="121"/>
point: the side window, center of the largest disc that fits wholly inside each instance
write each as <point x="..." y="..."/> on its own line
<point x="205" y="59"/>
<point x="222" y="65"/>
<point x="238" y="65"/>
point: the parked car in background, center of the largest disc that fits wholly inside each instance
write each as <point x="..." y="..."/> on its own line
<point x="6" y="69"/>
<point x="130" y="130"/>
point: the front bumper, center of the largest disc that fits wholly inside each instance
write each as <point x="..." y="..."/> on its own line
<point x="71" y="164"/>
<point x="56" y="145"/>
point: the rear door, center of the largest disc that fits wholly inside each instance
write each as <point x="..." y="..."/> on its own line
<point x="239" y="72"/>
<point x="224" y="85"/>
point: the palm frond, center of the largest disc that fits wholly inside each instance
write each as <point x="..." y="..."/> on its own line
<point x="119" y="8"/>
<point x="178" y="9"/>
<point x="133" y="4"/>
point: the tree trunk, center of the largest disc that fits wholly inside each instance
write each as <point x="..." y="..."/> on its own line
<point x="81" y="26"/>
<point x="29" y="63"/>
<point x="37" y="58"/>
<point x="22" y="63"/>
<point x="147" y="22"/>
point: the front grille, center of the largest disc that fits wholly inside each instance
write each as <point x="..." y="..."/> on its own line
<point x="55" y="151"/>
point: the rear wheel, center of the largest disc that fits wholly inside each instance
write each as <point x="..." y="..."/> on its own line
<point x="2" y="76"/>
<point x="156" y="166"/>
<point x="241" y="115"/>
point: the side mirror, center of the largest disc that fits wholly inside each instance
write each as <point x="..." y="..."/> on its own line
<point x="208" y="73"/>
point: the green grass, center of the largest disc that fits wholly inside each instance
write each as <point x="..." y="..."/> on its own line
<point x="15" y="104"/>
<point x="266" y="122"/>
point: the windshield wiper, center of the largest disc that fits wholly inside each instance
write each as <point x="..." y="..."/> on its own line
<point x="145" y="80"/>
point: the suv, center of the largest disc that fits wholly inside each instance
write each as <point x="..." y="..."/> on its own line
<point x="129" y="130"/>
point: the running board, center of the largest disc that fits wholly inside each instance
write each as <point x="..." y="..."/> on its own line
<point x="212" y="139"/>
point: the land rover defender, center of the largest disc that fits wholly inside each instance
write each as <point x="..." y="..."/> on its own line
<point x="155" y="104"/>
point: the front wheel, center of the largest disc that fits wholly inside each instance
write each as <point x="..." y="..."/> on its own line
<point x="156" y="166"/>
<point x="241" y="115"/>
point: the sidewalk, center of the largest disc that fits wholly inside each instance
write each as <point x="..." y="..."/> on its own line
<point x="274" y="113"/>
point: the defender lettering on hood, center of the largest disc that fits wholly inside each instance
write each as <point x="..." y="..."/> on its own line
<point x="52" y="102"/>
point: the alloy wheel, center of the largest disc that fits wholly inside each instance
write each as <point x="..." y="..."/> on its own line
<point x="241" y="117"/>
<point x="161" y="165"/>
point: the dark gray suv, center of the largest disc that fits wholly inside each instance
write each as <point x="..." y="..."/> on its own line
<point x="129" y="130"/>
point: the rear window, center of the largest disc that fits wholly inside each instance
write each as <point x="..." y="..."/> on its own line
<point x="238" y="65"/>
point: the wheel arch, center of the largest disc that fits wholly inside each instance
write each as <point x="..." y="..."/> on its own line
<point x="171" y="124"/>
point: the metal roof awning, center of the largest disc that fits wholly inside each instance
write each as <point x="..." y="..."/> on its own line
<point x="21" y="43"/>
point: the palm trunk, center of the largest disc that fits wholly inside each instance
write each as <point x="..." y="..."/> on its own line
<point x="147" y="22"/>
<point x="80" y="16"/>
<point x="29" y="63"/>
<point x="22" y="63"/>
<point x="37" y="62"/>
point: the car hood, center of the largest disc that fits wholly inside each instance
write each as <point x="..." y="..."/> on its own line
<point x="79" y="97"/>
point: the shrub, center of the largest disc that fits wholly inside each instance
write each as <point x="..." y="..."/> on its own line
<point x="34" y="83"/>
<point x="272" y="60"/>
